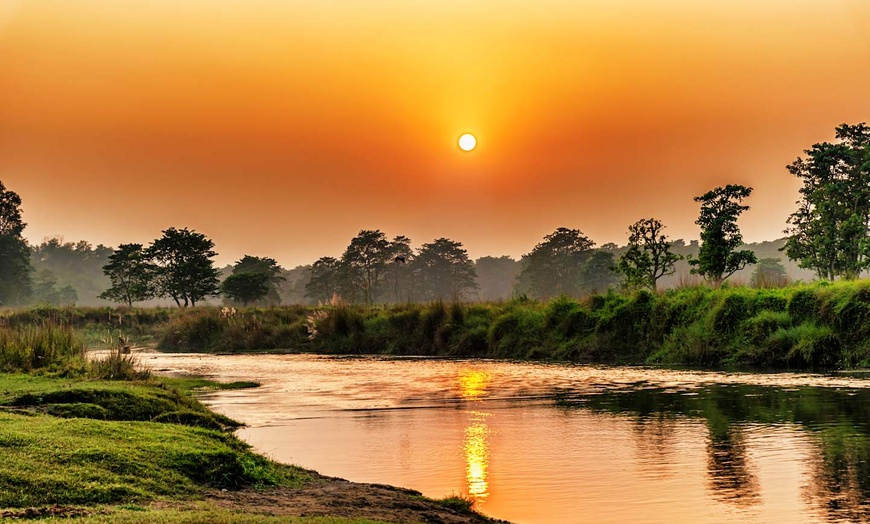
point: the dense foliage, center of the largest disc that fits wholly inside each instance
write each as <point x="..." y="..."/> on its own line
<point x="824" y="326"/>
<point x="718" y="256"/>
<point x="254" y="280"/>
<point x="131" y="274"/>
<point x="830" y="231"/>
<point x="183" y="266"/>
<point x="15" y="279"/>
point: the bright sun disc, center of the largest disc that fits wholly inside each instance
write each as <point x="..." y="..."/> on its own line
<point x="467" y="142"/>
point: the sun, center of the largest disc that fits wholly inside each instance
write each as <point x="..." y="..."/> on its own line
<point x="467" y="142"/>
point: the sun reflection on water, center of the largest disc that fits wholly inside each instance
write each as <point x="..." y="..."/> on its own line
<point x="477" y="457"/>
<point x="473" y="386"/>
<point x="473" y="383"/>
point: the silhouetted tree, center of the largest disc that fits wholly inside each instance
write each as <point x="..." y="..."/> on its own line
<point x="496" y="276"/>
<point x="292" y="290"/>
<point x="769" y="273"/>
<point x="718" y="257"/>
<point x="325" y="279"/>
<point x="365" y="260"/>
<point x="15" y="269"/>
<point x="47" y="291"/>
<point x="648" y="257"/>
<point x="397" y="270"/>
<point x="246" y="288"/>
<point x="131" y="275"/>
<point x="78" y="265"/>
<point x="829" y="231"/>
<point x="184" y="267"/>
<point x="597" y="273"/>
<point x="553" y="266"/>
<point x="250" y="289"/>
<point x="443" y="271"/>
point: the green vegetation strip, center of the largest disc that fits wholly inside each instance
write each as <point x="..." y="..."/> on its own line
<point x="811" y="326"/>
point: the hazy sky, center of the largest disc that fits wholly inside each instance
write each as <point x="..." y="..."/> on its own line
<point x="282" y="127"/>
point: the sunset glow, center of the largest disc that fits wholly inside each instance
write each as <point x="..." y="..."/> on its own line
<point x="227" y="116"/>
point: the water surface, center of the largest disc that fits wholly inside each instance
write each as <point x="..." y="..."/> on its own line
<point x="542" y="443"/>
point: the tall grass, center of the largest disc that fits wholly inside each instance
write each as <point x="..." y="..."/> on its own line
<point x="44" y="346"/>
<point x="117" y="365"/>
<point x="822" y="325"/>
<point x="58" y="348"/>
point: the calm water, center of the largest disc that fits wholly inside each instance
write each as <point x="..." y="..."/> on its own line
<point x="536" y="443"/>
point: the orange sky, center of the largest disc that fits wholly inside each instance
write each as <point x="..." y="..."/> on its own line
<point x="280" y="128"/>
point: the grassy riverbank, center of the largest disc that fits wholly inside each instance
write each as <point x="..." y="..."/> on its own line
<point x="812" y="326"/>
<point x="78" y="442"/>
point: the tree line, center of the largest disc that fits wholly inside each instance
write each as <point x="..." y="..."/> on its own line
<point x="829" y="234"/>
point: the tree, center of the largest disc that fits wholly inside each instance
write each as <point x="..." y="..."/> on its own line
<point x="47" y="291"/>
<point x="553" y="267"/>
<point x="443" y="271"/>
<point x="131" y="275"/>
<point x="829" y="231"/>
<point x="769" y="273"/>
<point x="597" y="272"/>
<point x="365" y="261"/>
<point x="718" y="257"/>
<point x="396" y="271"/>
<point x="247" y="288"/>
<point x="78" y="265"/>
<point x="325" y="281"/>
<point x="259" y="286"/>
<point x="648" y="257"/>
<point x="496" y="276"/>
<point x="15" y="269"/>
<point x="184" y="268"/>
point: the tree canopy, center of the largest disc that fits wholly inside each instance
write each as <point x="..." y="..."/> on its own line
<point x="254" y="280"/>
<point x="648" y="257"/>
<point x="131" y="274"/>
<point x="443" y="271"/>
<point x="718" y="257"/>
<point x="829" y="231"/>
<point x="15" y="269"/>
<point x="184" y="268"/>
<point x="364" y="262"/>
<point x="553" y="267"/>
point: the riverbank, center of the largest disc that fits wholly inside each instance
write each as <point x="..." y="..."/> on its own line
<point x="148" y="451"/>
<point x="818" y="326"/>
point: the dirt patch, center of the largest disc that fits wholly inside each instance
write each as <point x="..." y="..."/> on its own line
<point x="41" y="513"/>
<point x="328" y="496"/>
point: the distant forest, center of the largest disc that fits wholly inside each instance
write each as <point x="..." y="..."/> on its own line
<point x="68" y="273"/>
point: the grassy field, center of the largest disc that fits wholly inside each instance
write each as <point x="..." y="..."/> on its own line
<point x="819" y="326"/>
<point x="71" y="441"/>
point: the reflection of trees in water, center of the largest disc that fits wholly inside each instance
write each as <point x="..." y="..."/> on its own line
<point x="731" y="477"/>
<point x="656" y="439"/>
<point x="838" y="419"/>
<point x="839" y="486"/>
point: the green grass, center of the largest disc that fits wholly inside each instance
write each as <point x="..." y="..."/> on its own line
<point x="67" y="441"/>
<point x="203" y="514"/>
<point x="44" y="346"/>
<point x="821" y="326"/>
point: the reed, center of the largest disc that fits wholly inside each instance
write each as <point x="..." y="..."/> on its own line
<point x="44" y="346"/>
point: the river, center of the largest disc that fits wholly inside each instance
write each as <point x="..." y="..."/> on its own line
<point x="546" y="443"/>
